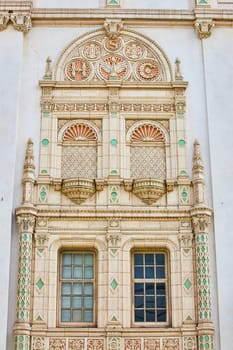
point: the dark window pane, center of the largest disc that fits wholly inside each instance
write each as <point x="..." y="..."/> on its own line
<point x="149" y="259"/>
<point x="138" y="272"/>
<point x="138" y="259"/>
<point x="88" y="272"/>
<point x="161" y="315"/>
<point x="88" y="315"/>
<point x="150" y="272"/>
<point x="150" y="289"/>
<point x="160" y="259"/>
<point x="150" y="316"/>
<point x="78" y="272"/>
<point x="139" y="316"/>
<point x="78" y="259"/>
<point x="88" y="289"/>
<point x="76" y="302"/>
<point x="89" y="259"/>
<point x="160" y="289"/>
<point x="77" y="288"/>
<point x="66" y="272"/>
<point x="139" y="302"/>
<point x="66" y="288"/>
<point x="150" y="302"/>
<point x="138" y="288"/>
<point x="160" y="272"/>
<point x="65" y="302"/>
<point x="161" y="302"/>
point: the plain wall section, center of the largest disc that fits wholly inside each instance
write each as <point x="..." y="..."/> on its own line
<point x="218" y="51"/>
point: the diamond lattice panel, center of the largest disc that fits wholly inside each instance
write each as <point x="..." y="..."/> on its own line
<point x="79" y="162"/>
<point x="148" y="162"/>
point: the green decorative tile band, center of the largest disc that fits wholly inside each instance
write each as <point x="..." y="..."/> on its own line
<point x="114" y="284"/>
<point x="45" y="142"/>
<point x="206" y="342"/>
<point x="181" y="143"/>
<point x="22" y="342"/>
<point x="114" y="142"/>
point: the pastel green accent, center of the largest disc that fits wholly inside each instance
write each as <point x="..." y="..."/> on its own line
<point x="47" y="78"/>
<point x="189" y="318"/>
<point x="40" y="250"/>
<point x="114" y="318"/>
<point x="203" y="2"/>
<point x="39" y="318"/>
<point x="46" y="114"/>
<point x="113" y="114"/>
<point x="44" y="171"/>
<point x="184" y="194"/>
<point x="186" y="250"/>
<point x="113" y="2"/>
<point x="114" y="194"/>
<point x="187" y="284"/>
<point x="43" y="194"/>
<point x="183" y="172"/>
<point x="181" y="143"/>
<point x="180" y="115"/>
<point x="114" y="142"/>
<point x="45" y="142"/>
<point x="113" y="251"/>
<point x="113" y="172"/>
<point x="40" y="283"/>
<point x="114" y="284"/>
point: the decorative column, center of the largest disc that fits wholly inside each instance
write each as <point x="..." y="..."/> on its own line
<point x="26" y="215"/>
<point x="201" y="218"/>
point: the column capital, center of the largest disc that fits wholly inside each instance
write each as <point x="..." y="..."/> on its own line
<point x="204" y="27"/>
<point x="26" y="223"/>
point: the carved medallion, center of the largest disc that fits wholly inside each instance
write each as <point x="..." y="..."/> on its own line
<point x="78" y="69"/>
<point x="148" y="70"/>
<point x="92" y="50"/>
<point x="134" y="51"/>
<point x="113" y="44"/>
<point x="113" y="66"/>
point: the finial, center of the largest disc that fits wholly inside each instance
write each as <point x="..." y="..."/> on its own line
<point x="197" y="159"/>
<point x="178" y="75"/>
<point x="113" y="73"/>
<point x="48" y="70"/>
<point x="29" y="156"/>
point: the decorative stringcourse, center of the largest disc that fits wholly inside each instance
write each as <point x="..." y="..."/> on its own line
<point x="79" y="132"/>
<point x="147" y="133"/>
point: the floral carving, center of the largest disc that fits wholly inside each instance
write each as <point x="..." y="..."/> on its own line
<point x="76" y="344"/>
<point x="26" y="223"/>
<point x="38" y="343"/>
<point x="113" y="66"/>
<point x="92" y="50"/>
<point x="95" y="344"/>
<point x="133" y="344"/>
<point x="57" y="344"/>
<point x="134" y="50"/>
<point x="201" y="223"/>
<point x="148" y="70"/>
<point x="152" y="344"/>
<point x="171" y="344"/>
<point x="114" y="343"/>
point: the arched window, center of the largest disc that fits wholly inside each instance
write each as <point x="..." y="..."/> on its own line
<point x="147" y="155"/>
<point x="79" y="152"/>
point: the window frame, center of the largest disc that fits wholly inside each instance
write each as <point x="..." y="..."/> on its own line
<point x="81" y="324"/>
<point x="166" y="280"/>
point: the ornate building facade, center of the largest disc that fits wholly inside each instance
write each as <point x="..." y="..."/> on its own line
<point x="112" y="128"/>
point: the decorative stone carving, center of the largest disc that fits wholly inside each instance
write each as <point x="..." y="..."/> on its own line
<point x="48" y="70"/>
<point x="204" y="27"/>
<point x="78" y="190"/>
<point x="113" y="27"/>
<point x="21" y="342"/>
<point x="201" y="223"/>
<point x="26" y="223"/>
<point x="149" y="190"/>
<point x="133" y="344"/>
<point x="152" y="344"/>
<point x="78" y="69"/>
<point x="186" y="241"/>
<point x="178" y="74"/>
<point x="21" y="21"/>
<point x="80" y="107"/>
<point x="113" y="68"/>
<point x="28" y="174"/>
<point x="57" y="344"/>
<point x="92" y="50"/>
<point x="114" y="343"/>
<point x="113" y="239"/>
<point x="4" y="19"/>
<point x="170" y="344"/>
<point x="190" y="343"/>
<point x="38" y="343"/>
<point x="198" y="176"/>
<point x="134" y="50"/>
<point x="148" y="70"/>
<point x="147" y="162"/>
<point x="76" y="344"/>
<point x="95" y="344"/>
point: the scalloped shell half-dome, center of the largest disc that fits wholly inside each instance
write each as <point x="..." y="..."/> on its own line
<point x="147" y="133"/>
<point x="79" y="132"/>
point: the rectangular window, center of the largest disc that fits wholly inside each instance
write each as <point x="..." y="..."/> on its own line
<point x="77" y="287"/>
<point x="150" y="288"/>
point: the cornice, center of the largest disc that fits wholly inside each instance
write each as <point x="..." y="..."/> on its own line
<point x="119" y="214"/>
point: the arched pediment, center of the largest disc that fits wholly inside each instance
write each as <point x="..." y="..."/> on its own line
<point x="127" y="57"/>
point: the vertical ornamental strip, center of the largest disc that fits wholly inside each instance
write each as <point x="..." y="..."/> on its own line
<point x="26" y="215"/>
<point x="201" y="218"/>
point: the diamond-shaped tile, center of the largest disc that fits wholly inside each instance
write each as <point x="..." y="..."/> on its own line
<point x="114" y="284"/>
<point x="40" y="283"/>
<point x="187" y="283"/>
